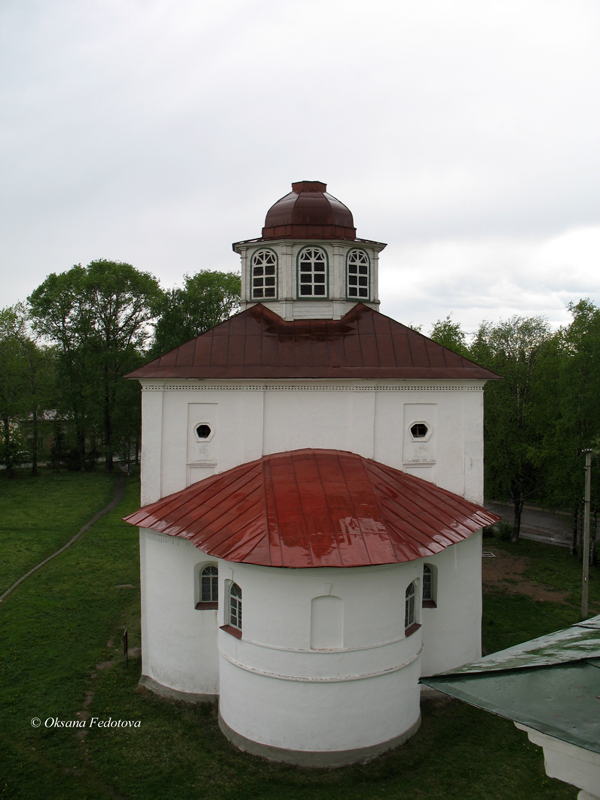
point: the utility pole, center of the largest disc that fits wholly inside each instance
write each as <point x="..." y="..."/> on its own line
<point x="586" y="534"/>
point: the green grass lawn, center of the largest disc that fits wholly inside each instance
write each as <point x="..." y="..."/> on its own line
<point x="38" y="516"/>
<point x="61" y="649"/>
<point x="511" y="619"/>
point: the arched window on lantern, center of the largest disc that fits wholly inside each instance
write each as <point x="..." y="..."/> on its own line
<point x="264" y="275"/>
<point x="358" y="275"/>
<point x="312" y="272"/>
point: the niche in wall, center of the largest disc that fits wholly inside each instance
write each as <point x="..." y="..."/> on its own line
<point x="419" y="439"/>
<point x="202" y="440"/>
<point x="326" y="623"/>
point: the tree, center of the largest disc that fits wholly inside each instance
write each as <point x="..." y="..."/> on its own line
<point x="514" y="350"/>
<point x="206" y="299"/>
<point x="12" y="383"/>
<point x="98" y="316"/>
<point x="450" y="335"/>
<point x="572" y="414"/>
<point x="39" y="377"/>
<point x="25" y="381"/>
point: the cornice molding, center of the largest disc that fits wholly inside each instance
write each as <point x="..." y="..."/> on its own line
<point x="302" y="387"/>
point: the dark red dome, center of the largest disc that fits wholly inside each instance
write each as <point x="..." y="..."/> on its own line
<point x="308" y="212"/>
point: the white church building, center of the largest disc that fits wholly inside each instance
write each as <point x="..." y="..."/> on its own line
<point x="310" y="530"/>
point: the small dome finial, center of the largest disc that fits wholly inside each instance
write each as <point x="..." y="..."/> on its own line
<point x="309" y="186"/>
<point x="308" y="212"/>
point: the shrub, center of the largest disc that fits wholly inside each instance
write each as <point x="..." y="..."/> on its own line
<point x="504" y="530"/>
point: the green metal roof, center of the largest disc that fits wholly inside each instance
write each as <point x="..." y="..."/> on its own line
<point x="551" y="684"/>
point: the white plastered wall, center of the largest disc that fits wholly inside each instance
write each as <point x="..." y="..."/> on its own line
<point x="278" y="690"/>
<point x="369" y="418"/>
<point x="452" y="630"/>
<point x="179" y="642"/>
<point x="568" y="762"/>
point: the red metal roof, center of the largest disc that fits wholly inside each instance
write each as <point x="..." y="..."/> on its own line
<point x="260" y="344"/>
<point x="315" y="508"/>
<point x="308" y="212"/>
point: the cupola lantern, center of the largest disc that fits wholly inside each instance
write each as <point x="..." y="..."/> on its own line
<point x="308" y="263"/>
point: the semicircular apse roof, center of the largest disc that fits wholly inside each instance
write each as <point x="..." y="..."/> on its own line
<point x="315" y="508"/>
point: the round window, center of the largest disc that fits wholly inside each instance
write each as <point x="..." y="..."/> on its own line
<point x="203" y="431"/>
<point x="419" y="430"/>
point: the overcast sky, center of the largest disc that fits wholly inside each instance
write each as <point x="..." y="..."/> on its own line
<point x="463" y="133"/>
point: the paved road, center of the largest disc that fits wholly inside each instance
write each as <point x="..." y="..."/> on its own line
<point x="541" y="526"/>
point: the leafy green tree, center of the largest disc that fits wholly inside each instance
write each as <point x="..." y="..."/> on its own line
<point x="40" y="388"/>
<point x="62" y="315"/>
<point x="450" y="335"/>
<point x="12" y="383"/>
<point x="571" y="416"/>
<point x="98" y="317"/>
<point x="25" y="383"/>
<point x="206" y="299"/>
<point x="514" y="349"/>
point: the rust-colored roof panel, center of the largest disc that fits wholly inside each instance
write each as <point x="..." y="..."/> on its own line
<point x="269" y="349"/>
<point x="237" y="348"/>
<point x="315" y="508"/>
<point x="385" y="344"/>
<point x="202" y="352"/>
<point x="452" y="358"/>
<point x="253" y="350"/>
<point x="319" y="346"/>
<point x="418" y="350"/>
<point x="364" y="344"/>
<point x="185" y="354"/>
<point x="402" y="351"/>
<point x="435" y="356"/>
<point x="219" y="352"/>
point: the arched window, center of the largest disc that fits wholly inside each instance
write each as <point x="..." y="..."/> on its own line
<point x="358" y="274"/>
<point x="209" y="584"/>
<point x="312" y="272"/>
<point x="429" y="586"/>
<point x="264" y="275"/>
<point x="235" y="606"/>
<point x="409" y="607"/>
<point x="208" y="587"/>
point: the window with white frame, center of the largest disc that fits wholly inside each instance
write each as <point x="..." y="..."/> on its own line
<point x="235" y="606"/>
<point x="429" y="586"/>
<point x="312" y="272"/>
<point x="358" y="274"/>
<point x="264" y="275"/>
<point x="409" y="606"/>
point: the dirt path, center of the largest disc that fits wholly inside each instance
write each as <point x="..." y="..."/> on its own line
<point x="113" y="504"/>
<point x="505" y="573"/>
